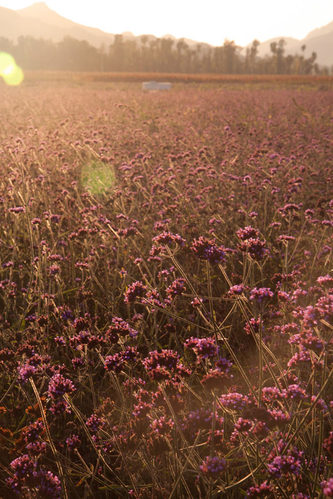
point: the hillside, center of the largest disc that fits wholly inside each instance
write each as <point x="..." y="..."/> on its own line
<point x="41" y="22"/>
<point x="319" y="40"/>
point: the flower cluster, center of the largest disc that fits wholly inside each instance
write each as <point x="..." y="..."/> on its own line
<point x="206" y="249"/>
<point x="135" y="290"/>
<point x="59" y="385"/>
<point x="28" y="475"/>
<point x="119" y="328"/>
<point x="168" y="238"/>
<point x="213" y="466"/>
<point x="255" y="247"/>
<point x="204" y="348"/>
<point x="261" y="294"/>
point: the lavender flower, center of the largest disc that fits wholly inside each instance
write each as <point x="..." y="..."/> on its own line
<point x="327" y="486"/>
<point x="206" y="249"/>
<point x="213" y="466"/>
<point x="135" y="290"/>
<point x="204" y="348"/>
<point x="261" y="294"/>
<point x="59" y="385"/>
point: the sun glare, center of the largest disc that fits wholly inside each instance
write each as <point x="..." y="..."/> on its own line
<point x="97" y="177"/>
<point x="9" y="70"/>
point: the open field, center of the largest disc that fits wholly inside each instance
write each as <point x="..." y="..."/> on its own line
<point x="166" y="291"/>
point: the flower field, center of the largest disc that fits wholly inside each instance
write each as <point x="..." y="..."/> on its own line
<point x="166" y="292"/>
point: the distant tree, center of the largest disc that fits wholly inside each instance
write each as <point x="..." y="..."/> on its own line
<point x="102" y="56"/>
<point x="277" y="49"/>
<point x="77" y="55"/>
<point x="251" y="57"/>
<point x="182" y="48"/>
<point x="6" y="45"/>
<point x="310" y="63"/>
<point x="33" y="53"/>
<point x="166" y="56"/>
<point x="157" y="54"/>
<point x="230" y="57"/>
<point x="117" y="54"/>
<point x="144" y="53"/>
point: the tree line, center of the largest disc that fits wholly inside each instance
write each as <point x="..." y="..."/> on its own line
<point x="152" y="54"/>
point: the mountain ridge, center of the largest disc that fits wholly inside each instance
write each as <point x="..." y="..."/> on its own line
<point x="39" y="21"/>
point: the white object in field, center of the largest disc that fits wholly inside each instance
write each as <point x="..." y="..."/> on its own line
<point x="156" y="85"/>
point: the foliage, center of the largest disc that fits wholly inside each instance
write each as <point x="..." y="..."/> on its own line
<point x="164" y="55"/>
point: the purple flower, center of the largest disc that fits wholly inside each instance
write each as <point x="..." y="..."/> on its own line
<point x="113" y="363"/>
<point x="213" y="466"/>
<point x="254" y="247"/>
<point x="235" y="401"/>
<point x="166" y="358"/>
<point x="168" y="238"/>
<point x="206" y="249"/>
<point x="325" y="280"/>
<point x="55" y="218"/>
<point x="73" y="442"/>
<point x="286" y="463"/>
<point x="121" y="328"/>
<point x="54" y="269"/>
<point x="327" y="486"/>
<point x="283" y="465"/>
<point x="295" y="392"/>
<point x="17" y="209"/>
<point x="60" y="341"/>
<point x="199" y="420"/>
<point x="136" y="290"/>
<point x="59" y="385"/>
<point x="36" y="221"/>
<point x="204" y="348"/>
<point x="237" y="289"/>
<point x="162" y="426"/>
<point x="261" y="294"/>
<point x="247" y="233"/>
<point x="33" y="431"/>
<point x="328" y="444"/>
<point x="262" y="490"/>
<point x="95" y="423"/>
<point x="23" y="466"/>
<point x="48" y="484"/>
<point x="60" y="407"/>
<point x="176" y="288"/>
<point x="300" y="358"/>
<point x="25" y="372"/>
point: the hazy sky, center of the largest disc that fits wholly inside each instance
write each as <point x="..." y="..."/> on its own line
<point x="202" y="20"/>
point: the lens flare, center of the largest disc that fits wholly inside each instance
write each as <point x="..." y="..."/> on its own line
<point x="9" y="70"/>
<point x="98" y="177"/>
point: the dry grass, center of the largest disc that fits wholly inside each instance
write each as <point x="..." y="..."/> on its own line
<point x="312" y="80"/>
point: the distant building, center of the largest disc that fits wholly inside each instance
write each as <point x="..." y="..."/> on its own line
<point x="156" y="85"/>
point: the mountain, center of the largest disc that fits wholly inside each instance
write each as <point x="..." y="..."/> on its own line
<point x="39" y="21"/>
<point x="324" y="30"/>
<point x="320" y="40"/>
<point x="41" y="11"/>
<point x="265" y="47"/>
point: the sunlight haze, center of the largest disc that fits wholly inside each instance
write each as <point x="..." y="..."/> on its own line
<point x="210" y="21"/>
